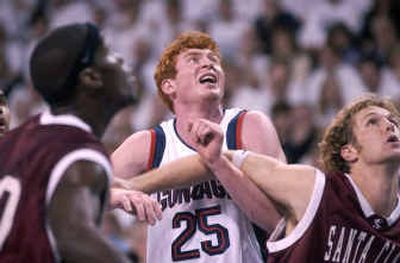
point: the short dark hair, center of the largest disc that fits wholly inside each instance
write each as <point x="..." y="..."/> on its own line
<point x="59" y="57"/>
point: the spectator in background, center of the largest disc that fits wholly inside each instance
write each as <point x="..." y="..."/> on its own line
<point x="297" y="130"/>
<point x="64" y="12"/>
<point x="303" y="134"/>
<point x="126" y="26"/>
<point x="281" y="115"/>
<point x="323" y="15"/>
<point x="242" y="90"/>
<point x="4" y="115"/>
<point x="228" y="29"/>
<point x="170" y="23"/>
<point x="332" y="77"/>
<point x="273" y="16"/>
<point x="279" y="85"/>
<point x="285" y="48"/>
<point x="9" y="61"/>
<point x="389" y="9"/>
<point x="378" y="78"/>
<point x="14" y="17"/>
<point x="394" y="66"/>
<point x="343" y="41"/>
<point x="25" y="102"/>
<point x="330" y="99"/>
<point x="384" y="38"/>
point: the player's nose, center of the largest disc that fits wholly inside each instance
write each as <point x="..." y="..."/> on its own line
<point x="389" y="125"/>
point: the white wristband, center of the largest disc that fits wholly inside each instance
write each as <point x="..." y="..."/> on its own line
<point x="238" y="157"/>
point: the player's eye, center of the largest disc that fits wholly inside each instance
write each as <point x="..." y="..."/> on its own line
<point x="213" y="58"/>
<point x="193" y="60"/>
<point x="372" y="121"/>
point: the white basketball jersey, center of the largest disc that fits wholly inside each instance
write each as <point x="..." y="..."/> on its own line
<point x="200" y="223"/>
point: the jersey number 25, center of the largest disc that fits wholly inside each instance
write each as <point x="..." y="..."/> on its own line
<point x="199" y="220"/>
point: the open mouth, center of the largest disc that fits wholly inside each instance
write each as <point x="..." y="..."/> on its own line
<point x="393" y="138"/>
<point x="208" y="78"/>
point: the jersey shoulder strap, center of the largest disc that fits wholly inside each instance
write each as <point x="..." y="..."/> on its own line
<point x="157" y="147"/>
<point x="234" y="131"/>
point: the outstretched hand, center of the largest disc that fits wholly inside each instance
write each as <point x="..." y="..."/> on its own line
<point x="207" y="137"/>
<point x="135" y="202"/>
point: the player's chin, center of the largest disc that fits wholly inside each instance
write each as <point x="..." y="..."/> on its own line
<point x="126" y="100"/>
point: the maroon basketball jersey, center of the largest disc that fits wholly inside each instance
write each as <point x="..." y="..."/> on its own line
<point x="339" y="225"/>
<point x="33" y="158"/>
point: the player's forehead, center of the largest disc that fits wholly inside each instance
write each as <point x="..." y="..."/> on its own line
<point x="370" y="111"/>
<point x="197" y="52"/>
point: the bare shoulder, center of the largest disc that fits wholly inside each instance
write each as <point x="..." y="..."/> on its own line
<point x="74" y="183"/>
<point x="257" y="119"/>
<point x="85" y="173"/>
<point x="259" y="135"/>
<point x="132" y="155"/>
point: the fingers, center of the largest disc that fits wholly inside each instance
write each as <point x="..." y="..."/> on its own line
<point x="203" y="131"/>
<point x="157" y="209"/>
<point x="140" y="211"/>
<point x="149" y="212"/>
<point x="126" y="204"/>
<point x="143" y="206"/>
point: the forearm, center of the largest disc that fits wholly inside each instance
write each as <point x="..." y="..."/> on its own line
<point x="177" y="174"/>
<point x="251" y="200"/>
<point x="288" y="186"/>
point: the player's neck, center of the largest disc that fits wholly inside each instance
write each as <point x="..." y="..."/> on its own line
<point x="208" y="110"/>
<point x="185" y="116"/>
<point x="96" y="122"/>
<point x="379" y="184"/>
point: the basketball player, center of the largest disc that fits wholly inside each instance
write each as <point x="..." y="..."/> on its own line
<point x="350" y="214"/>
<point x="201" y="222"/>
<point x="54" y="173"/>
<point x="4" y="115"/>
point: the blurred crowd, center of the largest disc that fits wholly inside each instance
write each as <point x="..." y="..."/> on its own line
<point x="296" y="61"/>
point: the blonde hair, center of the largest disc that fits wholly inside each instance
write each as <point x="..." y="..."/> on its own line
<point x="340" y="131"/>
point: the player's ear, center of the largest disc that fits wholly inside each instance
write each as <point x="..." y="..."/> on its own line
<point x="168" y="86"/>
<point x="349" y="153"/>
<point x="91" y="78"/>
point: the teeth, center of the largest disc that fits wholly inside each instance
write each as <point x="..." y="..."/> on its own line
<point x="208" y="78"/>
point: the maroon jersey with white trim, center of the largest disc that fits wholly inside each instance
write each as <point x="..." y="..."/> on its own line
<point x="30" y="156"/>
<point x="339" y="226"/>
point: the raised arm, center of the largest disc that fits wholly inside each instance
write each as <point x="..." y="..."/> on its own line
<point x="282" y="180"/>
<point x="258" y="135"/>
<point x="74" y="211"/>
<point x="289" y="186"/>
